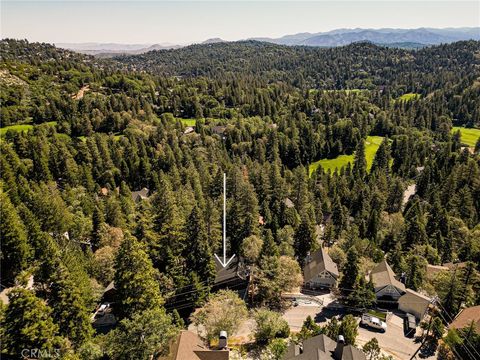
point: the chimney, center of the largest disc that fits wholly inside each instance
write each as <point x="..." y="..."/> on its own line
<point x="338" y="353"/>
<point x="308" y="258"/>
<point x="222" y="340"/>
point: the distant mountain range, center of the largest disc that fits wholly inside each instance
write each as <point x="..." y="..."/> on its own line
<point x="112" y="49"/>
<point x="402" y="38"/>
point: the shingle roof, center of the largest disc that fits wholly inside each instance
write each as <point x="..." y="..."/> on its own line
<point x="352" y="353"/>
<point x="465" y="318"/>
<point x="382" y="275"/>
<point x="321" y="347"/>
<point x="318" y="262"/>
<point x="188" y="346"/>
<point x="142" y="194"/>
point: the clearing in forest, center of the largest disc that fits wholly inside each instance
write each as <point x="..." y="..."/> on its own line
<point x="409" y="96"/>
<point x="470" y="136"/>
<point x="22" y="127"/>
<point x="371" y="146"/>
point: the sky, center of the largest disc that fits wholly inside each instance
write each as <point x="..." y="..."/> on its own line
<point x="182" y="22"/>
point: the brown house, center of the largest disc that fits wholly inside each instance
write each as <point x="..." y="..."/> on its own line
<point x="465" y="317"/>
<point x="387" y="288"/>
<point x="320" y="271"/>
<point x="321" y="347"/>
<point x="188" y="346"/>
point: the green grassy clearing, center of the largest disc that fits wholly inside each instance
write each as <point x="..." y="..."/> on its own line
<point x="188" y="122"/>
<point x="409" y="96"/>
<point x="22" y="127"/>
<point x="469" y="136"/>
<point x="381" y="315"/>
<point x="371" y="146"/>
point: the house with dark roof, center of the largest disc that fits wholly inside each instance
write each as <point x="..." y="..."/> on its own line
<point x="387" y="288"/>
<point x="320" y="271"/>
<point x="188" y="346"/>
<point x="321" y="347"/>
<point x="466" y="317"/>
<point x="140" y="195"/>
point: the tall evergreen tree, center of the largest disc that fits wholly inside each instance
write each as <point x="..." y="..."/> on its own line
<point x="199" y="254"/>
<point x="15" y="250"/>
<point x="350" y="271"/>
<point x="304" y="240"/>
<point x="135" y="279"/>
<point x="28" y="324"/>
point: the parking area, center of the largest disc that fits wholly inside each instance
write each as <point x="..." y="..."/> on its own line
<point x="393" y="342"/>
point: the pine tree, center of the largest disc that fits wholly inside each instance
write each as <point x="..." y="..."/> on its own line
<point x="360" y="161"/>
<point x="27" y="323"/>
<point x="135" y="279"/>
<point x="199" y="254"/>
<point x="15" y="250"/>
<point x="416" y="271"/>
<point x="169" y="225"/>
<point x="70" y="310"/>
<point x="363" y="294"/>
<point x="350" y="271"/>
<point x="304" y="240"/>
<point x="381" y="161"/>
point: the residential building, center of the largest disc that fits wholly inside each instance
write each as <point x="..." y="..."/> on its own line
<point x="321" y="347"/>
<point x="414" y="303"/>
<point x="387" y="288"/>
<point x="140" y="195"/>
<point x="188" y="346"/>
<point x="320" y="271"/>
<point x="465" y="317"/>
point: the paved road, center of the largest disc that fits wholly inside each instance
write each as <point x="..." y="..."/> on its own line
<point x="392" y="342"/>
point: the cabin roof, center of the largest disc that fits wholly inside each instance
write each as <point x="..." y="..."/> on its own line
<point x="318" y="262"/>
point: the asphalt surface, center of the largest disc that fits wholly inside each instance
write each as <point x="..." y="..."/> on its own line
<point x="393" y="342"/>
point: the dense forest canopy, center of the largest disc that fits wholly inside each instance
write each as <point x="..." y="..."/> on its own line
<point x="98" y="130"/>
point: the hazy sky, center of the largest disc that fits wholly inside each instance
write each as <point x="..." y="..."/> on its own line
<point x="183" y="22"/>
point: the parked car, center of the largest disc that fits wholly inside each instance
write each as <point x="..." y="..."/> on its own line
<point x="102" y="310"/>
<point x="373" y="322"/>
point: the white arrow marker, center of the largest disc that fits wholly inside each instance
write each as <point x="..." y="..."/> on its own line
<point x="224" y="262"/>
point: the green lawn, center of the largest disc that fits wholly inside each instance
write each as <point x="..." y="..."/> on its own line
<point x="371" y="146"/>
<point x="381" y="315"/>
<point x="188" y="122"/>
<point x="22" y="127"/>
<point x="409" y="96"/>
<point x="469" y="136"/>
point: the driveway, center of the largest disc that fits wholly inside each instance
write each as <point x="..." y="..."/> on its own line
<point x="393" y="342"/>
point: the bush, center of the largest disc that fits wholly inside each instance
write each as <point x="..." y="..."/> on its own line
<point x="270" y="325"/>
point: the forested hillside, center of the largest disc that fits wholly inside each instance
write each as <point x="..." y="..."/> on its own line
<point x="99" y="130"/>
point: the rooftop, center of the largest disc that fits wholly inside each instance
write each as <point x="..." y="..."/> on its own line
<point x="382" y="275"/>
<point x="319" y="261"/>
<point x="465" y="318"/>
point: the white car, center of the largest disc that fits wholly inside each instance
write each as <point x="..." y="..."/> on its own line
<point x="373" y="322"/>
